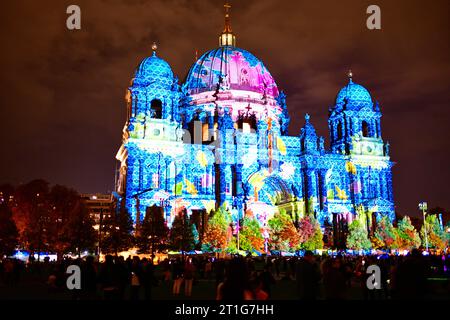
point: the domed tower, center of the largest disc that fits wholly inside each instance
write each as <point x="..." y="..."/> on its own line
<point x="233" y="98"/>
<point x="152" y="135"/>
<point x="354" y="122"/>
<point x="355" y="131"/>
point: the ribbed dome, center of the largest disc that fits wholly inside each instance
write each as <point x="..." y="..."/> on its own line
<point x="353" y="93"/>
<point x="244" y="72"/>
<point x="153" y="70"/>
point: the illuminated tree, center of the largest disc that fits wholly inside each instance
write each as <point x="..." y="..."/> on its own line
<point x="78" y="230"/>
<point x="357" y="237"/>
<point x="195" y="235"/>
<point x="181" y="235"/>
<point x="216" y="235"/>
<point x="8" y="230"/>
<point x="437" y="237"/>
<point x="250" y="236"/>
<point x="311" y="236"/>
<point x="154" y="232"/>
<point x="283" y="234"/>
<point x="386" y="234"/>
<point x="118" y="232"/>
<point x="376" y="243"/>
<point x="407" y="236"/>
<point x="33" y="216"/>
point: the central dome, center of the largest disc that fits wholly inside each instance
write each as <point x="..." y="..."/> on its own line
<point x="238" y="68"/>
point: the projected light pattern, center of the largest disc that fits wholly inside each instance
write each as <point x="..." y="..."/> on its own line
<point x="236" y="150"/>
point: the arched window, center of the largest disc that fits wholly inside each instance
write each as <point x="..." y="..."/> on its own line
<point x="247" y="124"/>
<point x="365" y="129"/>
<point x="339" y="131"/>
<point x="156" y="106"/>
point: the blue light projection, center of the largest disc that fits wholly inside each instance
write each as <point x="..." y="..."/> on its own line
<point x="221" y="138"/>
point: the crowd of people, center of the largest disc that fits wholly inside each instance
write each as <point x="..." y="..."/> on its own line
<point x="239" y="278"/>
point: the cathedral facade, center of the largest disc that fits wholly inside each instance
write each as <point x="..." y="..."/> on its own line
<point x="221" y="138"/>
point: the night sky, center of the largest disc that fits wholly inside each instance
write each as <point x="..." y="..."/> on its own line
<point x="62" y="92"/>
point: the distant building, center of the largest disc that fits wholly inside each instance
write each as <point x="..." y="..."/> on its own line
<point x="100" y="206"/>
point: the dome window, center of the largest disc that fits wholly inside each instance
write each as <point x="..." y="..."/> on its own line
<point x="365" y="129"/>
<point x="156" y="106"/>
<point x="339" y="131"/>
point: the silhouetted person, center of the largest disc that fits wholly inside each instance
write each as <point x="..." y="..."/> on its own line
<point x="236" y="284"/>
<point x="334" y="280"/>
<point x="267" y="280"/>
<point x="148" y="278"/>
<point x="89" y="278"/>
<point x="308" y="277"/>
<point x="109" y="279"/>
<point x="177" y="276"/>
<point x="411" y="277"/>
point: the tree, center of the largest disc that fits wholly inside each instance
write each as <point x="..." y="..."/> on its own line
<point x="437" y="237"/>
<point x="386" y="233"/>
<point x="282" y="232"/>
<point x="250" y="237"/>
<point x="65" y="208"/>
<point x="357" y="237"/>
<point x="8" y="230"/>
<point x="408" y="238"/>
<point x="195" y="235"/>
<point x="118" y="232"/>
<point x="154" y="231"/>
<point x="33" y="216"/>
<point x="311" y="236"/>
<point x="216" y="235"/>
<point x="79" y="231"/>
<point x="181" y="236"/>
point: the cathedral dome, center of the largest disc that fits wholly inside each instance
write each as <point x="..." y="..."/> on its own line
<point x="232" y="67"/>
<point x="154" y="70"/>
<point x="353" y="93"/>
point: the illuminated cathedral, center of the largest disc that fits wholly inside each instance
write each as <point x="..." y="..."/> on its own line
<point x="221" y="138"/>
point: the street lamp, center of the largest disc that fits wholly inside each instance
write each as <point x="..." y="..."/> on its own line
<point x="424" y="206"/>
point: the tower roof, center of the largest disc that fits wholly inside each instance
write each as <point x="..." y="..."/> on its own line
<point x="227" y="38"/>
<point x="153" y="69"/>
<point x="353" y="93"/>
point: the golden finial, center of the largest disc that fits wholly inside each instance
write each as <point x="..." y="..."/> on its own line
<point x="154" y="46"/>
<point x="227" y="37"/>
<point x="350" y="74"/>
<point x="227" y="7"/>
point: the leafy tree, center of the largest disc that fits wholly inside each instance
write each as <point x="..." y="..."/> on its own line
<point x="79" y="231"/>
<point x="154" y="231"/>
<point x="437" y="238"/>
<point x="195" y="234"/>
<point x="376" y="243"/>
<point x="8" y="230"/>
<point x="282" y="232"/>
<point x="181" y="236"/>
<point x="65" y="209"/>
<point x="33" y="215"/>
<point x="250" y="237"/>
<point x="216" y="235"/>
<point x="118" y="232"/>
<point x="311" y="236"/>
<point x="357" y="237"/>
<point x="408" y="237"/>
<point x="386" y="233"/>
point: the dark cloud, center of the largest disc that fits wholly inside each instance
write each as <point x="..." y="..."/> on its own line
<point x="62" y="92"/>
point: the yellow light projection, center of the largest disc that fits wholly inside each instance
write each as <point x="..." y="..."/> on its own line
<point x="281" y="146"/>
<point x="190" y="187"/>
<point x="341" y="194"/>
<point x="202" y="159"/>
